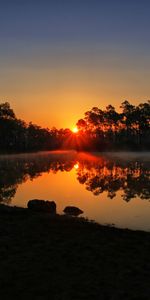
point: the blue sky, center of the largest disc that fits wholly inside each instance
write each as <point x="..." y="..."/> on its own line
<point x="73" y="54"/>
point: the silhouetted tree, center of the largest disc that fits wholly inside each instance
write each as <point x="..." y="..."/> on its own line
<point x="109" y="130"/>
<point x="98" y="130"/>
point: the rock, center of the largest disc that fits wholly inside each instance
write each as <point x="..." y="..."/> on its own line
<point x="42" y="206"/>
<point x="73" y="211"/>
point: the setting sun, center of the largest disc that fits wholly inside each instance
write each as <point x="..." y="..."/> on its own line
<point x="76" y="166"/>
<point x="75" y="130"/>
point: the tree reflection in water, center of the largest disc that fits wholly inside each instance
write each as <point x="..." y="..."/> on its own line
<point x="15" y="170"/>
<point x="97" y="173"/>
<point x="112" y="175"/>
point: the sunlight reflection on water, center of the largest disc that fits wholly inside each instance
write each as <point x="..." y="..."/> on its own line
<point x="108" y="187"/>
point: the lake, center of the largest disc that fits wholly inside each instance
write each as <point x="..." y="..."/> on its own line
<point x="111" y="188"/>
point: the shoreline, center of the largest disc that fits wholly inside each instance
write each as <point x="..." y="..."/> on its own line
<point x="45" y="256"/>
<point x="18" y="210"/>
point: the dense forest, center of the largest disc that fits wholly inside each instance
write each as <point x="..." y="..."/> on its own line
<point x="110" y="130"/>
<point x="99" y="130"/>
<point x="18" y="136"/>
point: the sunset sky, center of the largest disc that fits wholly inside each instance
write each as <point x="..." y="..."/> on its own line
<point x="59" y="58"/>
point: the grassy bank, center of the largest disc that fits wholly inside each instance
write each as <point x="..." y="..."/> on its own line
<point x="44" y="257"/>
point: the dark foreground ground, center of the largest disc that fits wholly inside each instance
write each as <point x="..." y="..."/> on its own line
<point x="43" y="257"/>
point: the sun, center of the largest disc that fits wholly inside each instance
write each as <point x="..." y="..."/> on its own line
<point x="75" y="130"/>
<point x="76" y="166"/>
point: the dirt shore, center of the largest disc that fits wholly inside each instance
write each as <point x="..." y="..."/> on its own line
<point x="66" y="258"/>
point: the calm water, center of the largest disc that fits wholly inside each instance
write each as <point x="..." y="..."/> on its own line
<point x="110" y="188"/>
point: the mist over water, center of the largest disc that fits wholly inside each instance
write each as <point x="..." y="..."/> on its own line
<point x="108" y="187"/>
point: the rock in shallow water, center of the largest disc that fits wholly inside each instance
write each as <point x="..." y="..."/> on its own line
<point x="42" y="206"/>
<point x="73" y="211"/>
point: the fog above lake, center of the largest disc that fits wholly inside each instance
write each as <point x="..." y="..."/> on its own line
<point x="101" y="184"/>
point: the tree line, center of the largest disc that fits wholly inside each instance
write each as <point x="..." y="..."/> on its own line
<point x="109" y="130"/>
<point x="99" y="130"/>
<point x="18" y="136"/>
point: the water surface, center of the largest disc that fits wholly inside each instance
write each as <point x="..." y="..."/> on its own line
<point x="111" y="188"/>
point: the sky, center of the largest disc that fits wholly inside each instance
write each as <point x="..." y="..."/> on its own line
<point x="60" y="58"/>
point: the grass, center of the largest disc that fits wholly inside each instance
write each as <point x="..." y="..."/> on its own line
<point x="58" y="257"/>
